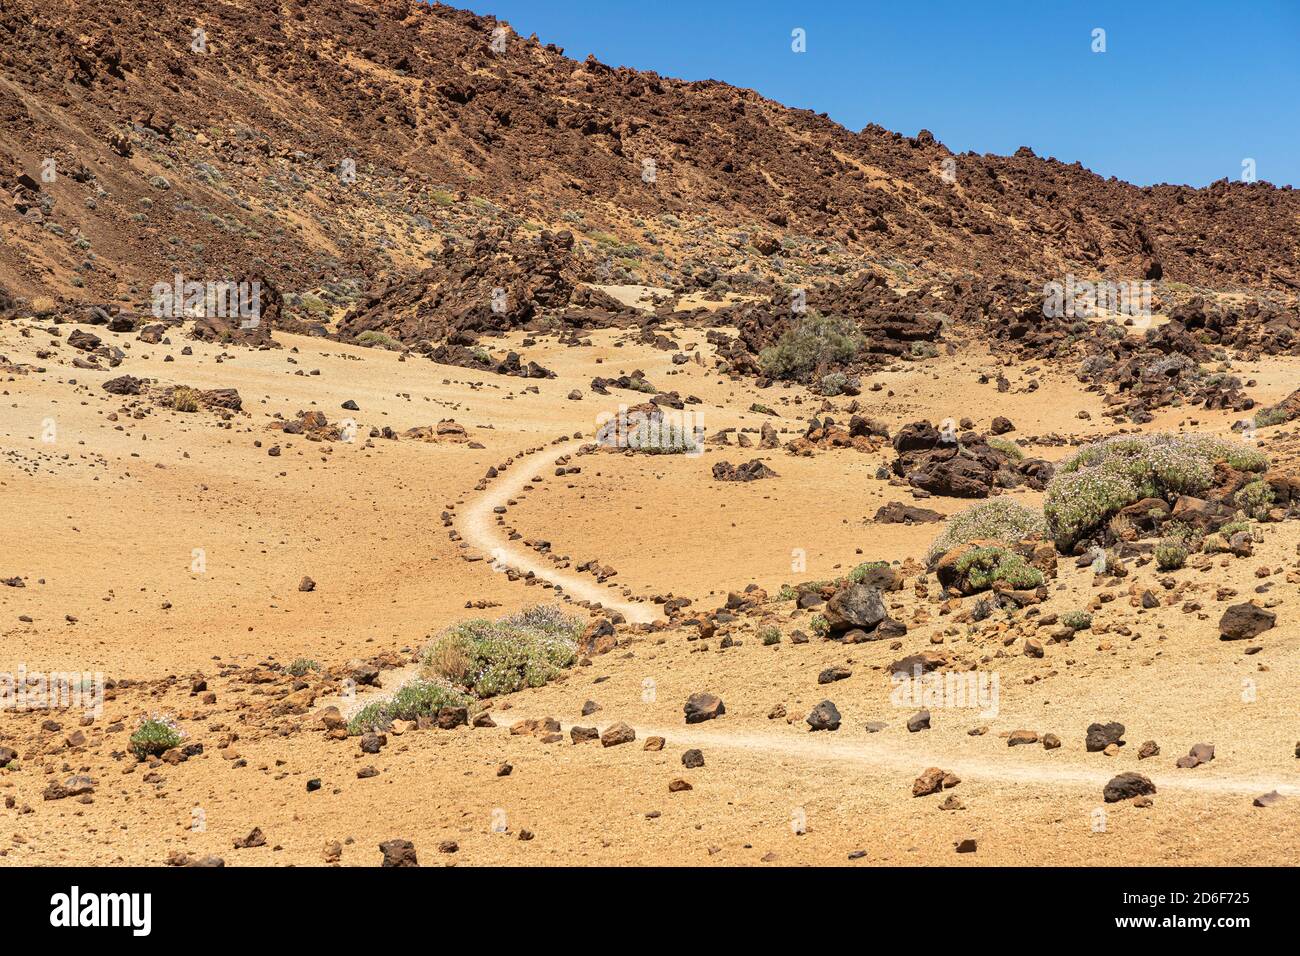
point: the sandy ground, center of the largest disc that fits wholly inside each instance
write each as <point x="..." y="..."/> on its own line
<point x="107" y="523"/>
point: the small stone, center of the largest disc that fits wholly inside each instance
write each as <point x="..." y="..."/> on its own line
<point x="918" y="721"/>
<point x="692" y="759"/>
<point x="678" y="785"/>
<point x="831" y="674"/>
<point x="930" y="781"/>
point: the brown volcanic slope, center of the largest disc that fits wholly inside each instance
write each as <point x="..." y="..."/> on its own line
<point x="224" y="163"/>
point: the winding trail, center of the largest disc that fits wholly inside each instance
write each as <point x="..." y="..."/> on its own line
<point x="478" y="528"/>
<point x="882" y="753"/>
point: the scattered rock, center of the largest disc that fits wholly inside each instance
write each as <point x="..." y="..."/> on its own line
<point x="1127" y="785"/>
<point x="399" y="853"/>
<point x="1242" y="621"/>
<point x="702" y="707"/>
<point x="619" y="733"/>
<point x="824" y="717"/>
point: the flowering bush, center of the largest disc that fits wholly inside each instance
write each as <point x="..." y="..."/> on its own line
<point x="995" y="520"/>
<point x="155" y="735"/>
<point x="489" y="658"/>
<point x="414" y="699"/>
<point x="1108" y="475"/>
<point x="983" y="567"/>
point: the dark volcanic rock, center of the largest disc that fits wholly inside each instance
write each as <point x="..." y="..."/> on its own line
<point x="824" y="717"/>
<point x="854" y="606"/>
<point x="1127" y="785"/>
<point x="1101" y="736"/>
<point x="1242" y="621"/>
<point x="701" y="707"/>
<point x="749" y="471"/>
<point x="398" y="853"/>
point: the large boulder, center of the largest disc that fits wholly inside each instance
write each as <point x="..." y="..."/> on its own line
<point x="854" y="606"/>
<point x="1243" y="621"/>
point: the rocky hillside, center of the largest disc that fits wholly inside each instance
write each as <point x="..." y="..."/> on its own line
<point x="331" y="147"/>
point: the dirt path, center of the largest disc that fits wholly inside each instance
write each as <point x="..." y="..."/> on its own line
<point x="882" y="753"/>
<point x="477" y="526"/>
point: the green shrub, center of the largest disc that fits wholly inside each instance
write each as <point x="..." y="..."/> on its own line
<point x="1106" y="476"/>
<point x="1008" y="448"/>
<point x="1254" y="498"/>
<point x="1077" y="620"/>
<point x="787" y="593"/>
<point x="832" y="384"/>
<point x="863" y="569"/>
<point x="769" y="635"/>
<point x="301" y="666"/>
<point x="371" y="337"/>
<point x="489" y="658"/>
<point x="983" y="567"/>
<point x="1171" y="554"/>
<point x="816" y="342"/>
<point x="995" y="520"/>
<point x="155" y="735"/>
<point x="663" y="437"/>
<point x="924" y="350"/>
<point x="414" y="699"/>
<point x="819" y="625"/>
<point x="1270" y="416"/>
<point x="185" y="399"/>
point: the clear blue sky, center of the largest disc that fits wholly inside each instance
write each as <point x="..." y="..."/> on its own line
<point x="1184" y="92"/>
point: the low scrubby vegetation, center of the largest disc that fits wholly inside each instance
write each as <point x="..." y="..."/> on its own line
<point x="155" y="736"/>
<point x="983" y="567"/>
<point x="488" y="658"/>
<point x="1003" y="521"/>
<point x="1170" y="554"/>
<point x="1076" y="620"/>
<point x="1109" y="475"/>
<point x="663" y="437"/>
<point x="413" y="700"/>
<point x="301" y="666"/>
<point x="184" y="399"/>
<point x="816" y="343"/>
<point x="376" y="339"/>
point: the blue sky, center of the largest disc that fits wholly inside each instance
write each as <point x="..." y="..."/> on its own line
<point x="1184" y="92"/>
